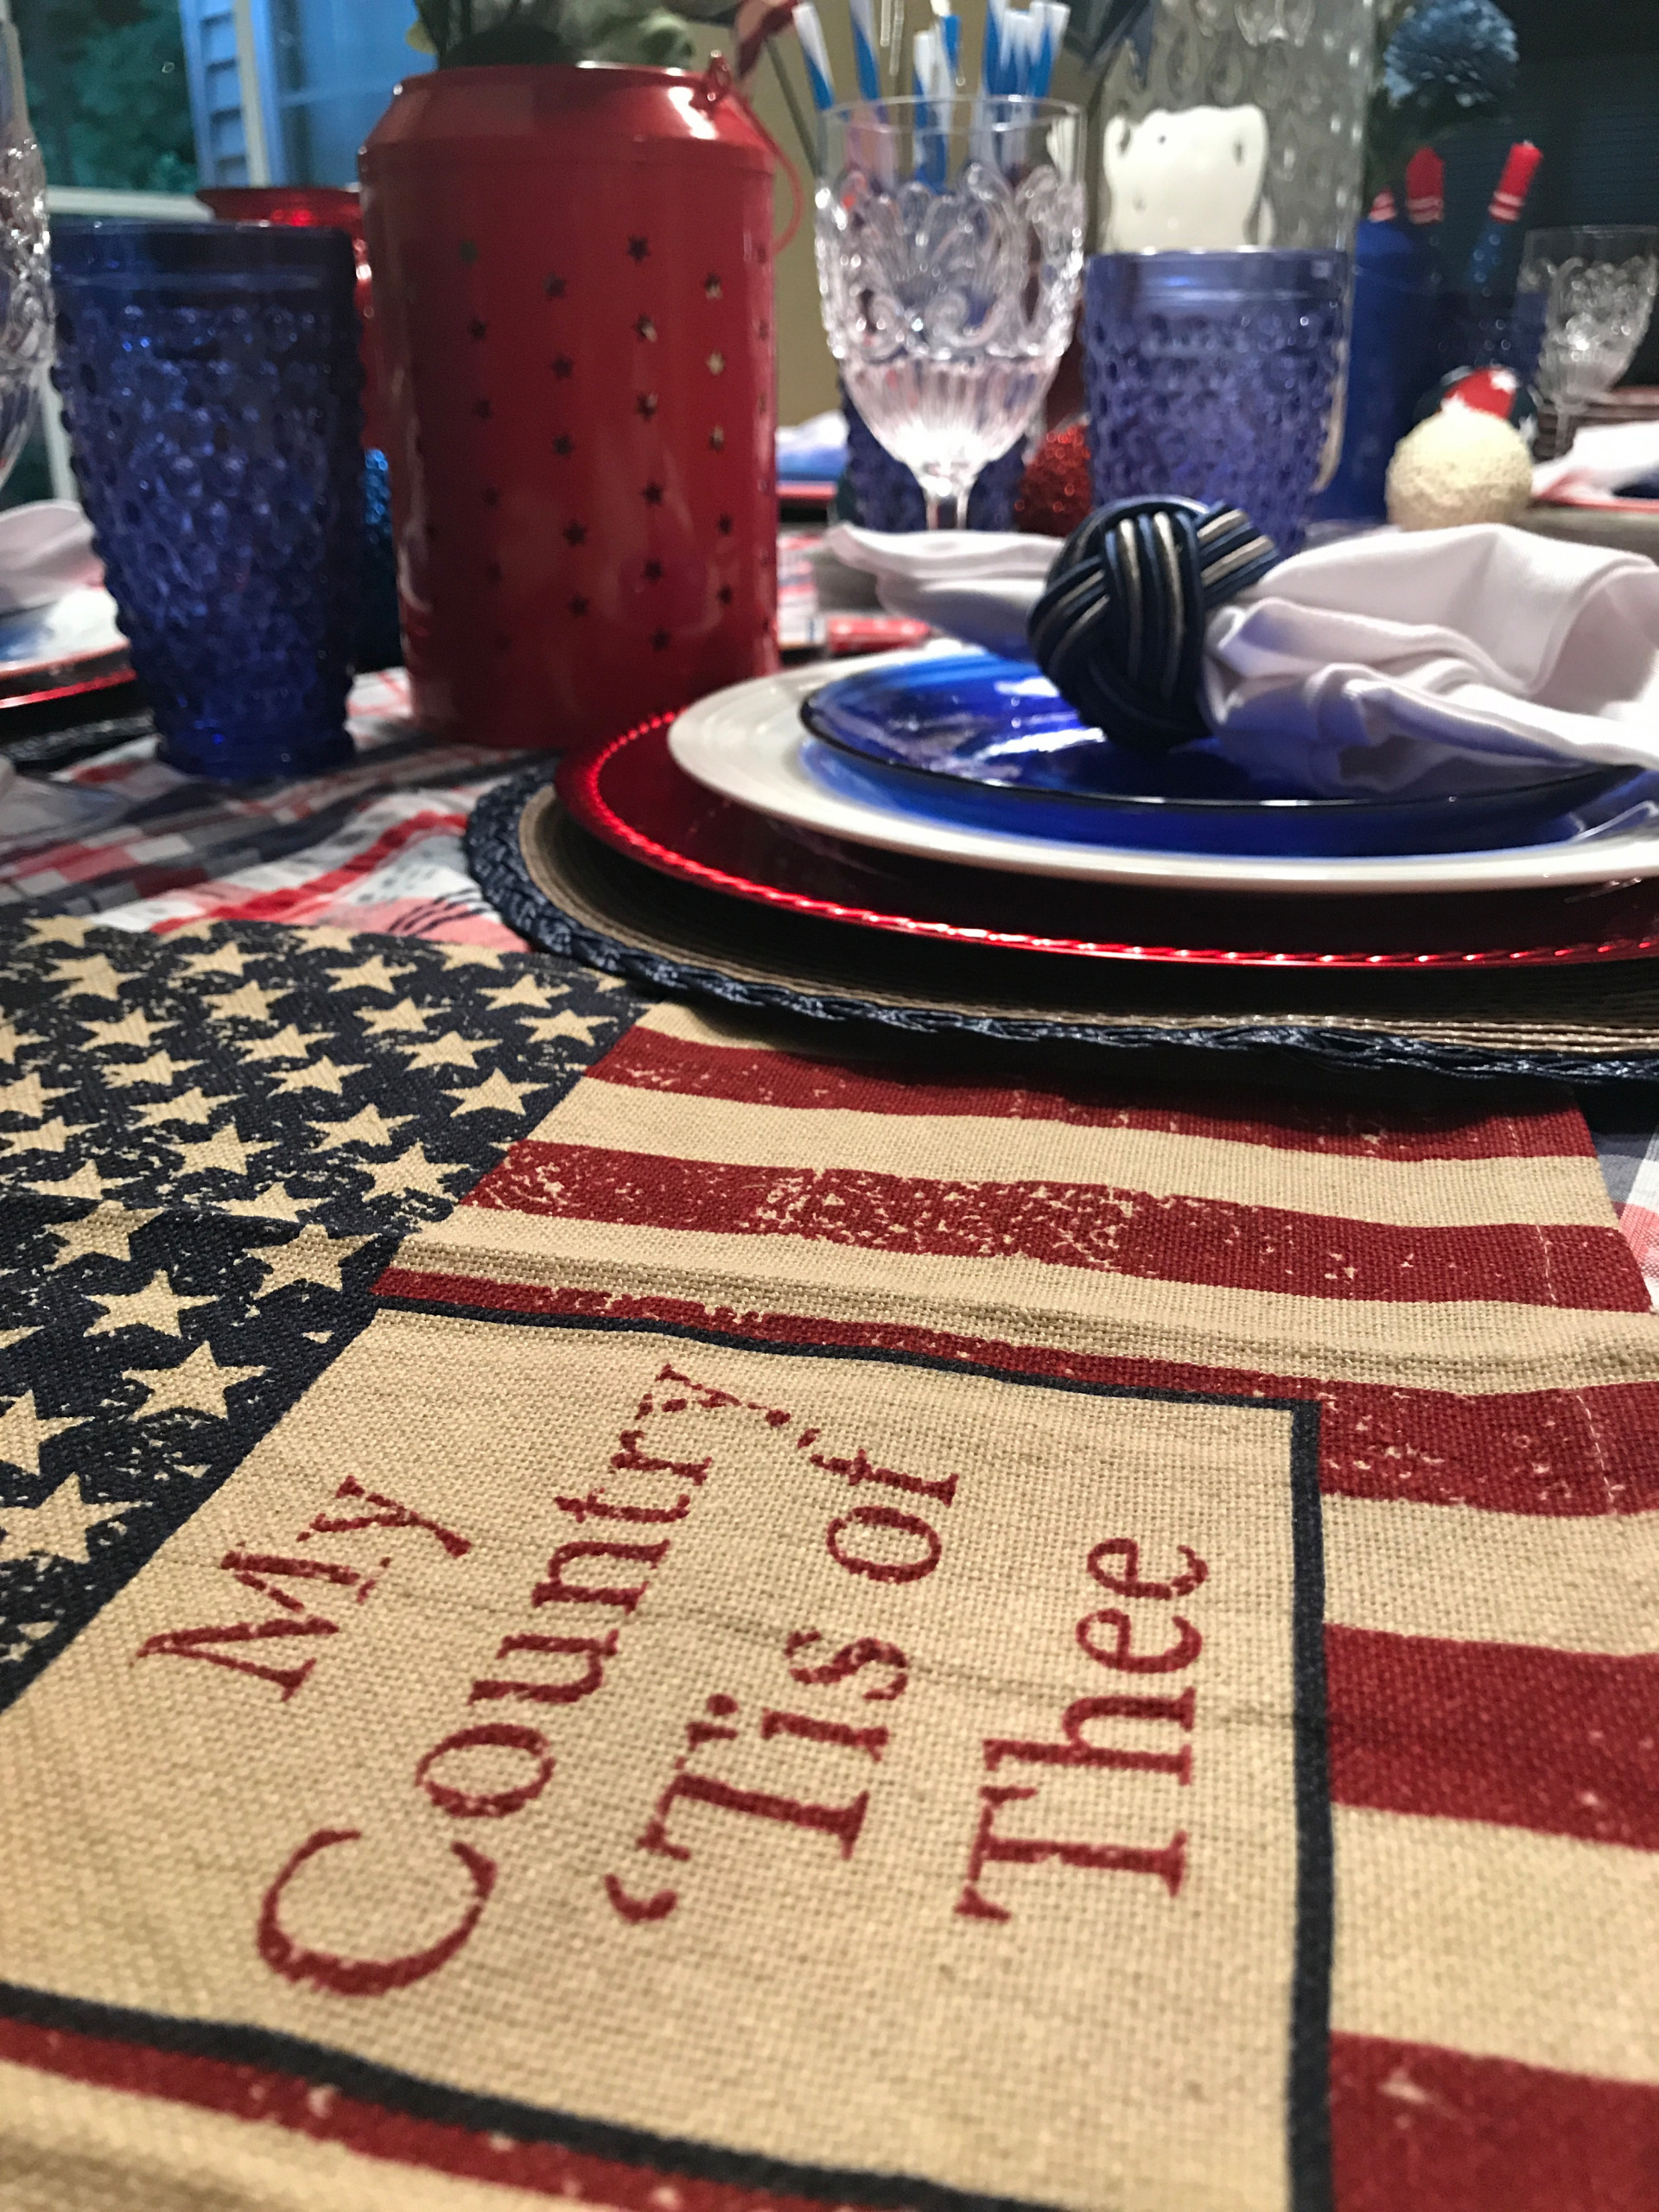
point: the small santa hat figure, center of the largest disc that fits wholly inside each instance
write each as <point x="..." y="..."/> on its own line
<point x="1490" y="391"/>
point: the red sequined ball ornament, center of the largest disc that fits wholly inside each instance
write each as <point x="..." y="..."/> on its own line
<point x="1057" y="491"/>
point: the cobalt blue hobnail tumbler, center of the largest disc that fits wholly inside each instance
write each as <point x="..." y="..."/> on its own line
<point x="211" y="381"/>
<point x="1215" y="375"/>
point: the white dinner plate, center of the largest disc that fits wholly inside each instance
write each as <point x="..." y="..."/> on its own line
<point x="746" y="743"/>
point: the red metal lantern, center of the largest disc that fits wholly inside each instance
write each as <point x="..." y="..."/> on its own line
<point x="573" y="285"/>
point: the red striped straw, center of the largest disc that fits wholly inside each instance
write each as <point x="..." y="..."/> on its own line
<point x="1515" y="182"/>
<point x="1425" y="188"/>
<point x="1382" y="207"/>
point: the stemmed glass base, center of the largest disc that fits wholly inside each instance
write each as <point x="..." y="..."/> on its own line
<point x="946" y="505"/>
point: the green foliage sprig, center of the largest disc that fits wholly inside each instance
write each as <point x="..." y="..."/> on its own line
<point x="469" y="33"/>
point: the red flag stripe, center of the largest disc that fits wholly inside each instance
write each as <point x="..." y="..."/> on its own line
<point x="1563" y="1453"/>
<point x="1216" y="1242"/>
<point x="651" y="1060"/>
<point x="274" y="2098"/>
<point x="1418" y="2129"/>
<point x="1563" y="1743"/>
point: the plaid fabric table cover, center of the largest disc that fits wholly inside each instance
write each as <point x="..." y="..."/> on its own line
<point x="598" y="1609"/>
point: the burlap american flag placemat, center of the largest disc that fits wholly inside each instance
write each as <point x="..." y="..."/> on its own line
<point x="733" y="1631"/>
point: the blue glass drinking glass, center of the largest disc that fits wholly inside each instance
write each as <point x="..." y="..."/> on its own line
<point x="1214" y="375"/>
<point x="211" y="385"/>
<point x="1390" y="367"/>
<point x="1482" y="330"/>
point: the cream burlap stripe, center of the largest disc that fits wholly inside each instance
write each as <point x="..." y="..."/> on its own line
<point x="1589" y="1585"/>
<point x="1429" y="1193"/>
<point x="1546" y="1950"/>
<point x="1472" y="1345"/>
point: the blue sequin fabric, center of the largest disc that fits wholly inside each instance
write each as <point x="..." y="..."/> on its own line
<point x="210" y="381"/>
<point x="1212" y="376"/>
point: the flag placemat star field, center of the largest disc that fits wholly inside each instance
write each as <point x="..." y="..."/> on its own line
<point x="598" y="1609"/>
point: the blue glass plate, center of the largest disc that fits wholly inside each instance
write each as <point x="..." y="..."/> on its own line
<point x="969" y="737"/>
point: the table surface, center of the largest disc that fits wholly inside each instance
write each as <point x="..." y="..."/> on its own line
<point x="320" y="1234"/>
<point x="378" y="846"/>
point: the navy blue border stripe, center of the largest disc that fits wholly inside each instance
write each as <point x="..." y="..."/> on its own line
<point x="1308" y="2069"/>
<point x="1308" y="2089"/>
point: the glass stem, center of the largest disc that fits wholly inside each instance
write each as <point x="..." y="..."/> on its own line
<point x="947" y="507"/>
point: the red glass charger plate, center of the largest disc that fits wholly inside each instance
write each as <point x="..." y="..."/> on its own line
<point x="74" y="645"/>
<point x="628" y="792"/>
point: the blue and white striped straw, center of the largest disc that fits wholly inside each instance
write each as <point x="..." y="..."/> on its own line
<point x="921" y="79"/>
<point x="935" y="92"/>
<point x="991" y="62"/>
<point x="1026" y="50"/>
<point x="864" y="54"/>
<point x="950" y="34"/>
<point x="816" y="54"/>
<point x="1055" y="19"/>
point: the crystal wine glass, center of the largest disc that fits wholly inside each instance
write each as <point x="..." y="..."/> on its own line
<point x="1594" y="286"/>
<point x="950" y="243"/>
<point x="25" y="264"/>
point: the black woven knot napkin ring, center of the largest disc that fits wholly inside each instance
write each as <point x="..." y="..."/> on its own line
<point x="1119" y="629"/>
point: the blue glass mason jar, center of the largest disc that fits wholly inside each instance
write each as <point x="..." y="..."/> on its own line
<point x="211" y="387"/>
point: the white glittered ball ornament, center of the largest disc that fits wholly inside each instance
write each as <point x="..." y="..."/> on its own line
<point x="1458" y="466"/>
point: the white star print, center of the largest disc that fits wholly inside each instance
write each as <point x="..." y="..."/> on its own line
<point x="108" y="1228"/>
<point x="160" y="1067"/>
<point x="494" y="1096"/>
<point x="565" y="1023"/>
<point x="309" y="1257"/>
<point x="275" y="1203"/>
<point x="62" y="929"/>
<point x="251" y="1003"/>
<point x="447" y="1050"/>
<point x="318" y="1075"/>
<point x="22" y="1432"/>
<point x="26" y="1096"/>
<point x="469" y="955"/>
<point x="526" y="991"/>
<point x="288" y="1043"/>
<point x="84" y="1183"/>
<point x="156" y="1307"/>
<point x="224" y="1148"/>
<point x="367" y="1127"/>
<point x="223" y="960"/>
<point x="57" y="1526"/>
<point x="92" y="978"/>
<point x="378" y="1020"/>
<point x="51" y="1137"/>
<point x="411" y="1171"/>
<point x="191" y="1107"/>
<point x="134" y="1028"/>
<point x="370" y="974"/>
<point x="195" y="1385"/>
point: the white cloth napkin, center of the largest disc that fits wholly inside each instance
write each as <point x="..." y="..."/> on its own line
<point x="1599" y="460"/>
<point x="45" y="550"/>
<point x="1390" y="662"/>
